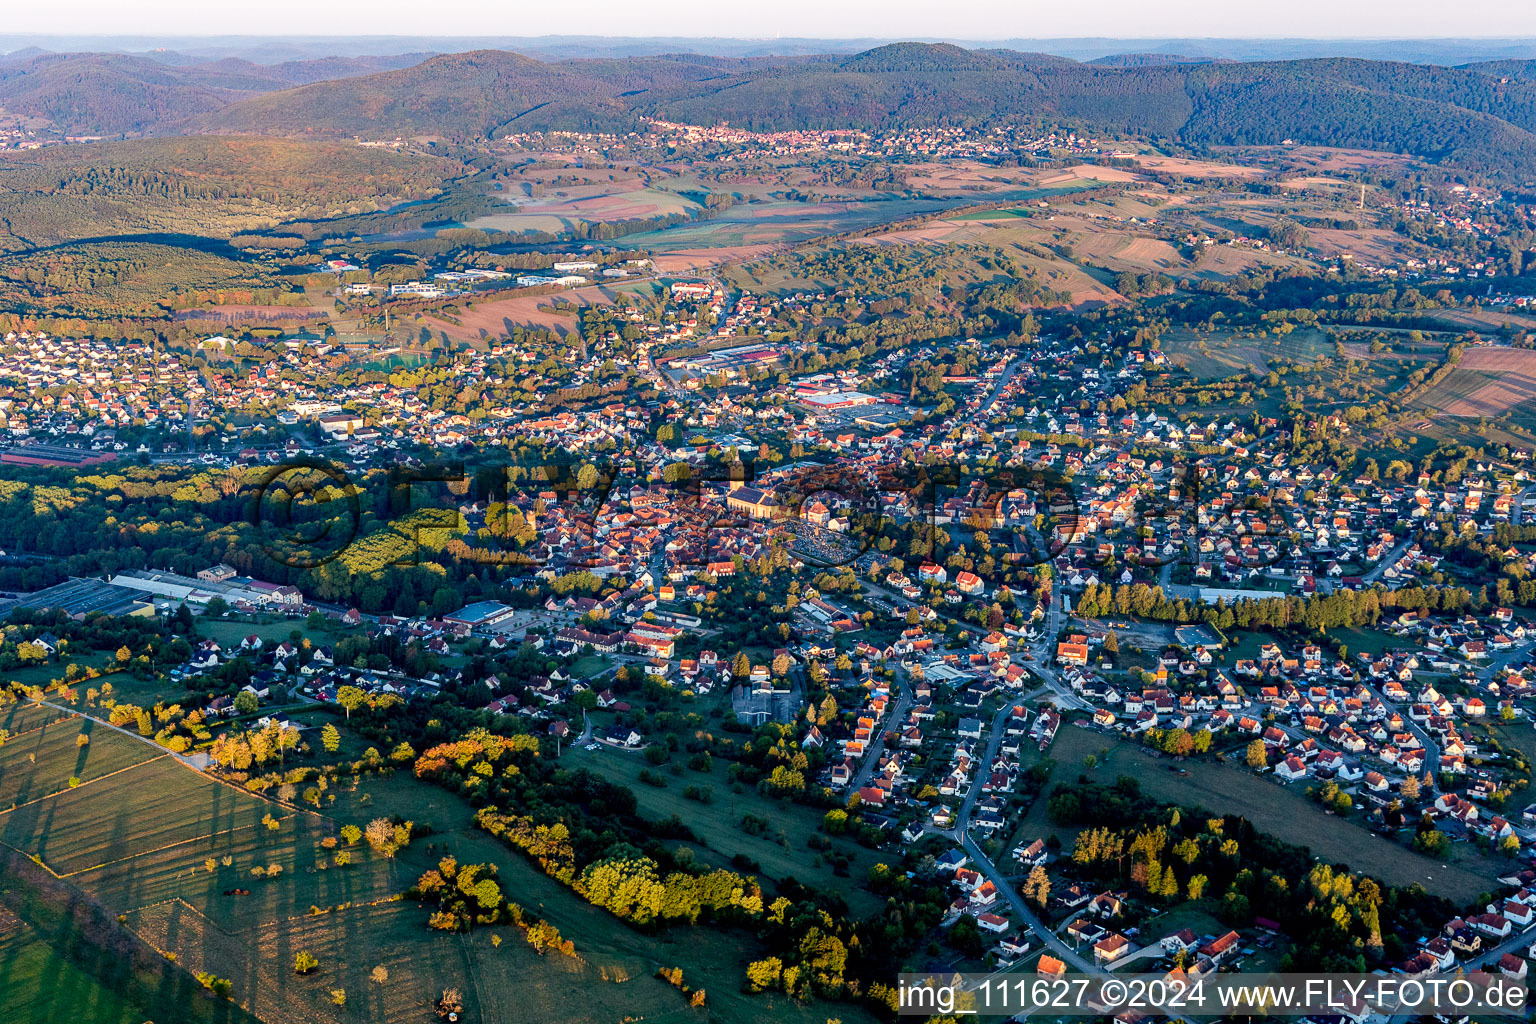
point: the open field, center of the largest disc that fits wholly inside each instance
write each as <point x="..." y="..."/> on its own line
<point x="1189" y="168"/>
<point x="1088" y="172"/>
<point x="1282" y="811"/>
<point x="42" y="987"/>
<point x="683" y="261"/>
<point x="497" y="316"/>
<point x="1219" y="354"/>
<point x="781" y="851"/>
<point x="564" y="212"/>
<point x="22" y="717"/>
<point x="966" y="176"/>
<point x="138" y="841"/>
<point x="40" y="762"/>
<point x="157" y="803"/>
<point x="65" y="958"/>
<point x="1487" y="382"/>
<point x="780" y="222"/>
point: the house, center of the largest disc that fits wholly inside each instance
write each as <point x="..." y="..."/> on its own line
<point x="992" y="923"/>
<point x="1291" y="769"/>
<point x="1072" y="653"/>
<point x="1111" y="948"/>
<point x="1085" y="929"/>
<point x="1049" y="965"/>
<point x="1182" y="941"/>
<point x="1013" y="946"/>
<point x="1220" y="948"/>
<point x="1032" y="855"/>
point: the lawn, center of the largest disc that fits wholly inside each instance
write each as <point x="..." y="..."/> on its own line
<point x="1281" y="811"/>
<point x="229" y="633"/>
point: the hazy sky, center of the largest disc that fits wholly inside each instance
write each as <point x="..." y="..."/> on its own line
<point x="976" y="19"/>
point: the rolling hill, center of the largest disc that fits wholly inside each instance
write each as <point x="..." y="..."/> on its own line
<point x="123" y="94"/>
<point x="1480" y="117"/>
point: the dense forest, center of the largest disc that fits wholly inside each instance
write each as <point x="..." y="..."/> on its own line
<point x="199" y="185"/>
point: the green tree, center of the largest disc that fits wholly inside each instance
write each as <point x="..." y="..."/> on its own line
<point x="351" y="698"/>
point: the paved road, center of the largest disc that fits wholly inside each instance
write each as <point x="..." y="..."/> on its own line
<point x="1387" y="561"/>
<point x="893" y="719"/>
<point x="1517" y="507"/>
<point x="1021" y="910"/>
<point x="997" y="387"/>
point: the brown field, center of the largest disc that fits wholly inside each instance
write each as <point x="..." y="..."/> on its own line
<point x="1092" y="172"/>
<point x="1373" y="245"/>
<point x="966" y="176"/>
<point x="615" y="207"/>
<point x="1319" y="158"/>
<point x="1483" y="319"/>
<point x="937" y="231"/>
<point x="1197" y="168"/>
<point x="1227" y="260"/>
<point x="1488" y="381"/>
<point x="495" y="318"/>
<point x="683" y="261"/>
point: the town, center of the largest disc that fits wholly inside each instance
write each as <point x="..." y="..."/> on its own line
<point x="729" y="567"/>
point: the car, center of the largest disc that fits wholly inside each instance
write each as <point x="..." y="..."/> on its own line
<point x="593" y="746"/>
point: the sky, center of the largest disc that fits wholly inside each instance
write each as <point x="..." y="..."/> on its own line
<point x="887" y="19"/>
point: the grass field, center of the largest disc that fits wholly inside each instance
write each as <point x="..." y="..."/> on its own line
<point x="156" y="804"/>
<point x="63" y="958"/>
<point x="1219" y="354"/>
<point x="22" y="717"/>
<point x="138" y="841"/>
<point x="1028" y="195"/>
<point x="782" y="851"/>
<point x="1279" y="810"/>
<point x="782" y="221"/>
<point x="42" y="987"/>
<point x="40" y="762"/>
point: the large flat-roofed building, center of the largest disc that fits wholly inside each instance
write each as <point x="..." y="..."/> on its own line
<point x="831" y="401"/>
<point x="481" y="614"/>
<point x="175" y="587"/>
<point x="79" y="597"/>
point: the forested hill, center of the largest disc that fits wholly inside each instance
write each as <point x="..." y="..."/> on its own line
<point x="124" y="94"/>
<point x="1486" y="122"/>
<point x="483" y="92"/>
<point x="1482" y="117"/>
